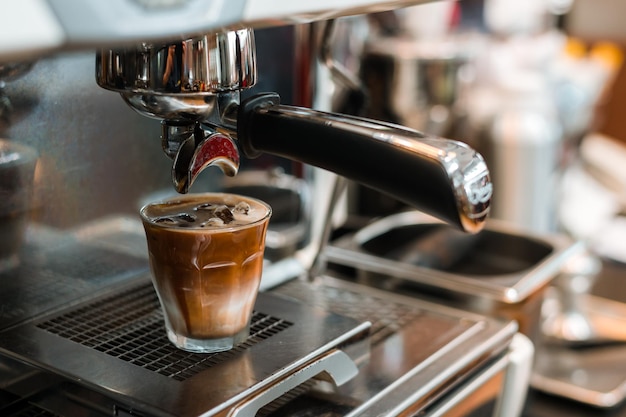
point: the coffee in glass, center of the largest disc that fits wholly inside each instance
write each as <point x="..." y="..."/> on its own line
<point x="206" y="257"/>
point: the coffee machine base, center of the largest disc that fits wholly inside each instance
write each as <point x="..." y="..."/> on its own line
<point x="322" y="345"/>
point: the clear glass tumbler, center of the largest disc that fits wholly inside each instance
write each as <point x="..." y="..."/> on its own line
<point x="206" y="256"/>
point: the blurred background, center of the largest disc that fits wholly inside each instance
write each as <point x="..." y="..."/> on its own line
<point x="538" y="87"/>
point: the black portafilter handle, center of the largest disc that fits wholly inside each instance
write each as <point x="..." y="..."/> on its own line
<point x="441" y="177"/>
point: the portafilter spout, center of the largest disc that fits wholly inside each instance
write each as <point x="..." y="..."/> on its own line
<point x="193" y="87"/>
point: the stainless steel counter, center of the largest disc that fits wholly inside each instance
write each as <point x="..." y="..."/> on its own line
<point x="86" y="338"/>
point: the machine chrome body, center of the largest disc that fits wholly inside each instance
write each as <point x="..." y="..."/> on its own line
<point x="80" y="330"/>
<point x="180" y="81"/>
<point x="510" y="266"/>
<point x="98" y="344"/>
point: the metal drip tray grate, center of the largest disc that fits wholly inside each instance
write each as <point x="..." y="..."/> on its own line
<point x="386" y="316"/>
<point x="130" y="327"/>
<point x="116" y="344"/>
<point x="30" y="410"/>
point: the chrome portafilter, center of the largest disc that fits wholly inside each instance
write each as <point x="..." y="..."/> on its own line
<point x="193" y="87"/>
<point x="180" y="81"/>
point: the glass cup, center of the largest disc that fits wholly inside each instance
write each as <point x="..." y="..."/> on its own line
<point x="206" y="256"/>
<point x="17" y="170"/>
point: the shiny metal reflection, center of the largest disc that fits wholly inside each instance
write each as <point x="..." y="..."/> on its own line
<point x="179" y="81"/>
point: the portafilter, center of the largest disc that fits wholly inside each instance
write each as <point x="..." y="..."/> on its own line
<point x="193" y="86"/>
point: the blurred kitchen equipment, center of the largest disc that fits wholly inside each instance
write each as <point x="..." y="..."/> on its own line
<point x="10" y="71"/>
<point x="413" y="82"/>
<point x="290" y="199"/>
<point x="524" y="148"/>
<point x="567" y="318"/>
<point x="17" y="172"/>
<point x="581" y="353"/>
<point x="501" y="271"/>
<point x="581" y="349"/>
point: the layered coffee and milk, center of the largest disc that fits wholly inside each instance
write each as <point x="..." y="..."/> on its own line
<point x="206" y="255"/>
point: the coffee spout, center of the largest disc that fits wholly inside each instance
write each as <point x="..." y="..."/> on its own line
<point x="193" y="87"/>
<point x="200" y="149"/>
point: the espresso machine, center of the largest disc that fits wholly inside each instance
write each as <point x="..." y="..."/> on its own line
<point x="81" y="331"/>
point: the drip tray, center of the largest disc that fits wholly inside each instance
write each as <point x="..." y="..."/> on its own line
<point x="117" y="345"/>
<point x="107" y="341"/>
<point x="499" y="263"/>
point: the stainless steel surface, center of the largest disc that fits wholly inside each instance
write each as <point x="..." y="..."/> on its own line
<point x="506" y="265"/>
<point x="49" y="277"/>
<point x="336" y="364"/>
<point x="89" y="145"/>
<point x="181" y="80"/>
<point x="567" y="319"/>
<point x="111" y="341"/>
<point x="319" y="264"/>
<point x="399" y="378"/>
<point x="595" y="375"/>
<point x="590" y="372"/>
<point x="116" y="359"/>
<point x="121" y="351"/>
<point x="43" y="394"/>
